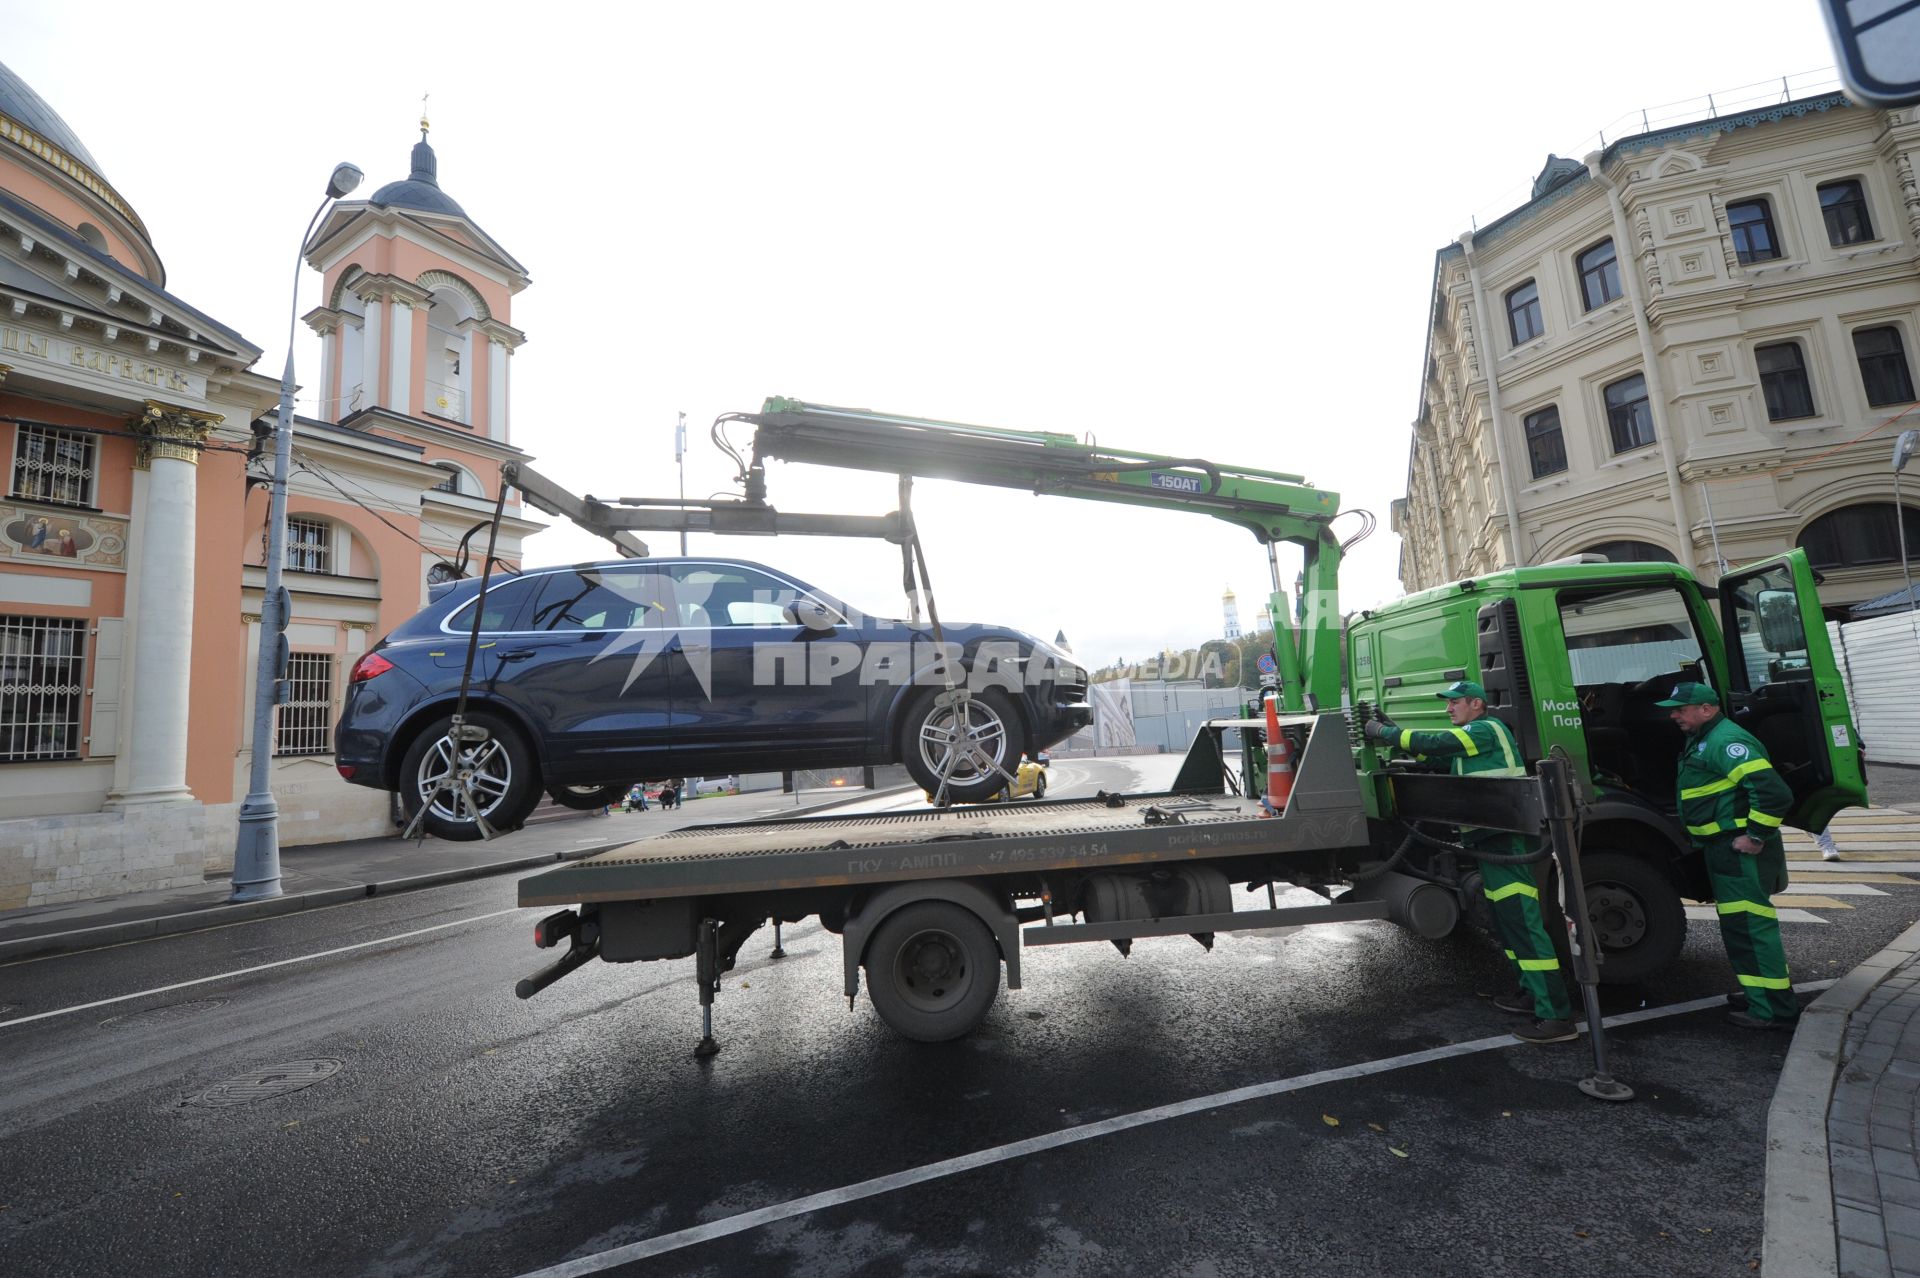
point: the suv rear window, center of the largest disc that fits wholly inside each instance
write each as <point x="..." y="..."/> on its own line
<point x="505" y="600"/>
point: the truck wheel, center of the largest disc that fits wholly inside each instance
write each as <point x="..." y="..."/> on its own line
<point x="1637" y="918"/>
<point x="501" y="773"/>
<point x="979" y="736"/>
<point x="933" y="970"/>
<point x="585" y="798"/>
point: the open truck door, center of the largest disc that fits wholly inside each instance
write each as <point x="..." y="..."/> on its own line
<point x="1784" y="687"/>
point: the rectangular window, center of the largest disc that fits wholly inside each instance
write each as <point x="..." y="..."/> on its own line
<point x="1545" y="448"/>
<point x="1599" y="275"/>
<point x="304" y="721"/>
<point x="1844" y="206"/>
<point x="1783" y="381"/>
<point x="53" y="465"/>
<point x="309" y="546"/>
<point x="43" y="672"/>
<point x="1883" y="366"/>
<point x="1629" y="414"/>
<point x="1751" y="222"/>
<point x="1523" y="313"/>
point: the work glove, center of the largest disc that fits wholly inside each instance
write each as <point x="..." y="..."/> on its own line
<point x="1381" y="730"/>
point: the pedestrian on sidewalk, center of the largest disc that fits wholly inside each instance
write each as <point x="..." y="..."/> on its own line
<point x="1732" y="803"/>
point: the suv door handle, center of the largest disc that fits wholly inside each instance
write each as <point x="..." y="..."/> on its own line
<point x="517" y="654"/>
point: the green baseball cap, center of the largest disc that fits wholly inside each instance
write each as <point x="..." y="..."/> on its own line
<point x="1691" y="694"/>
<point x="1464" y="688"/>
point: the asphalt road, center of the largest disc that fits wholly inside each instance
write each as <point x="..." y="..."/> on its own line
<point x="1171" y="1110"/>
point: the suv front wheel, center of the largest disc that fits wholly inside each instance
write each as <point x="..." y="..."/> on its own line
<point x="968" y="742"/>
<point x="499" y="771"/>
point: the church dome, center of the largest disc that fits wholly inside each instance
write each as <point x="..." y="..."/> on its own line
<point x="420" y="189"/>
<point x="21" y="104"/>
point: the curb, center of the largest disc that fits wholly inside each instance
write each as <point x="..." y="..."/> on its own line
<point x="106" y="934"/>
<point x="1800" y="1239"/>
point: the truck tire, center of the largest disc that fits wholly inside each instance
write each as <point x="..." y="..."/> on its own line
<point x="930" y="733"/>
<point x="509" y="788"/>
<point x="1637" y="917"/>
<point x="933" y="970"/>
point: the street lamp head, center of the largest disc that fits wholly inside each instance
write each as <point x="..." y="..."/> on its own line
<point x="1904" y="449"/>
<point x="345" y="178"/>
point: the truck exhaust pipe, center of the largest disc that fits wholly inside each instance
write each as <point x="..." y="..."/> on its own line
<point x="1426" y="909"/>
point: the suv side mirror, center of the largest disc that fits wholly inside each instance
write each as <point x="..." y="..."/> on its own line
<point x="812" y="614"/>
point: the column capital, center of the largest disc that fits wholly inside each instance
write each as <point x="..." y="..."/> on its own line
<point x="324" y="319"/>
<point x="388" y="288"/>
<point x="4" y="370"/>
<point x="173" y="432"/>
<point x="500" y="334"/>
<point x="249" y="618"/>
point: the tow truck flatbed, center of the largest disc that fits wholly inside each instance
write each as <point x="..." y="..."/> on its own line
<point x="834" y="851"/>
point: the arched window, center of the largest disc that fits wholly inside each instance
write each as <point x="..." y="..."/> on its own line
<point x="91" y="234"/>
<point x="457" y="481"/>
<point x="1859" y="536"/>
<point x="1631" y="552"/>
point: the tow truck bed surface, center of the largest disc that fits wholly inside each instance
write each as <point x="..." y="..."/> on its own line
<point x="835" y="850"/>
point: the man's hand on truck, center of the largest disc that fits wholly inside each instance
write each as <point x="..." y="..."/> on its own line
<point x="1381" y="729"/>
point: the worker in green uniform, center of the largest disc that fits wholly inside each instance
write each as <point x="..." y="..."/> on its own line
<point x="1479" y="745"/>
<point x="1732" y="803"/>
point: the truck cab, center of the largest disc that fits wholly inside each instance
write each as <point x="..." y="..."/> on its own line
<point x="1574" y="654"/>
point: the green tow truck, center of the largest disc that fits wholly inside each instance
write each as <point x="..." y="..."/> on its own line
<point x="932" y="906"/>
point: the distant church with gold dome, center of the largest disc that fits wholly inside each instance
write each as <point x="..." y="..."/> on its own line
<point x="137" y="437"/>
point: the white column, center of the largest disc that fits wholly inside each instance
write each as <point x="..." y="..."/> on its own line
<point x="400" y="349"/>
<point x="370" y="333"/>
<point x="327" y="403"/>
<point x="467" y="379"/>
<point x="497" y="390"/>
<point x="163" y="654"/>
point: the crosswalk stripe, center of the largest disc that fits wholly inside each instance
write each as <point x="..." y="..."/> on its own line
<point x="1853" y="867"/>
<point x="1845" y="889"/>
<point x="1810" y="902"/>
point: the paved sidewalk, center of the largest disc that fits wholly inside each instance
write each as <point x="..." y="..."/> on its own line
<point x="335" y="873"/>
<point x="1843" y="1179"/>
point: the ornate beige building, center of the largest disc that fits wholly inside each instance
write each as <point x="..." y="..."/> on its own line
<point x="1708" y="330"/>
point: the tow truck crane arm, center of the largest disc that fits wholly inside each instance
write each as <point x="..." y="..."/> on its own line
<point x="1272" y="505"/>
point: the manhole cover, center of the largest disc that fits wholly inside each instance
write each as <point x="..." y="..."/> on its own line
<point x="259" y="1084"/>
<point x="162" y="1015"/>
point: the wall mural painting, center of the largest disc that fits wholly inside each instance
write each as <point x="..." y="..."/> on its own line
<point x="88" y="540"/>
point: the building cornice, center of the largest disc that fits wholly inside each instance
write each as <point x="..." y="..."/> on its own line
<point x="81" y="175"/>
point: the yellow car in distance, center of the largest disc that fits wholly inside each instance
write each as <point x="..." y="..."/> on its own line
<point x="1029" y="781"/>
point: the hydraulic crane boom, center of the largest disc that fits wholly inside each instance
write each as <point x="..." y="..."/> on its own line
<point x="1273" y="506"/>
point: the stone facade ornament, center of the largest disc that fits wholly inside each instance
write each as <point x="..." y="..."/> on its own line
<point x="1649" y="260"/>
<point x="1909" y="191"/>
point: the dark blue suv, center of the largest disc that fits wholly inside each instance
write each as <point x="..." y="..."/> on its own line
<point x="591" y="677"/>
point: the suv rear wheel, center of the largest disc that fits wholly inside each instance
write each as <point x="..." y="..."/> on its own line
<point x="499" y="771"/>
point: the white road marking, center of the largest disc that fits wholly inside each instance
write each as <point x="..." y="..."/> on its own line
<point x="1788" y="914"/>
<point x="1855" y="867"/>
<point x="1844" y="889"/>
<point x="730" y="1225"/>
<point x="262" y="967"/>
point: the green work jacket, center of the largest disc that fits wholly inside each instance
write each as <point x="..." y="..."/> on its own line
<point x="1728" y="785"/>
<point x="1484" y="748"/>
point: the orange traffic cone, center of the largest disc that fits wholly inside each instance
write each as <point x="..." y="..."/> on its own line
<point x="1279" y="764"/>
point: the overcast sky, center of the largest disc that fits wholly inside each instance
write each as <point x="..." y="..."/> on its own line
<point x="1206" y="229"/>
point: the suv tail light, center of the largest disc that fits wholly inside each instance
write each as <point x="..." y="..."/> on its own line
<point x="370" y="666"/>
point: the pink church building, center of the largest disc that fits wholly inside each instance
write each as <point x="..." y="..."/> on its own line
<point x="133" y="523"/>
